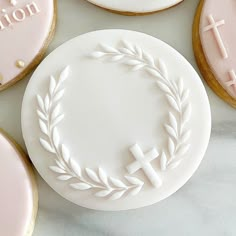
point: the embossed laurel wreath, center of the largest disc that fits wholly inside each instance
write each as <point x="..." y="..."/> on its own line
<point x="178" y="135"/>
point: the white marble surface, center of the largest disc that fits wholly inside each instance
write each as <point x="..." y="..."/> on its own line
<point x="206" y="205"/>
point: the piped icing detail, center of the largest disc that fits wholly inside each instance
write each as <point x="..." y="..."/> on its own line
<point x="218" y="41"/>
<point x="18" y="19"/>
<point x="214" y="27"/>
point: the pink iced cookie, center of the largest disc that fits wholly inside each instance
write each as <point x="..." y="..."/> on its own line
<point x="217" y="37"/>
<point x="18" y="198"/>
<point x="26" y="28"/>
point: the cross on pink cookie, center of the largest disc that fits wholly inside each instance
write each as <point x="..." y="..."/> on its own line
<point x="232" y="81"/>
<point x="214" y="27"/>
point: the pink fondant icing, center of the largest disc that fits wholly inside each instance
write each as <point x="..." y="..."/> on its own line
<point x="16" y="197"/>
<point x="219" y="47"/>
<point x="24" y="27"/>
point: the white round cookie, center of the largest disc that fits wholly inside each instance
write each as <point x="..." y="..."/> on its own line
<point x="116" y="120"/>
<point x="134" y="6"/>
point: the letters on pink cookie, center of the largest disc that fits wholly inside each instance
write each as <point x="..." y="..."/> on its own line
<point x="18" y="15"/>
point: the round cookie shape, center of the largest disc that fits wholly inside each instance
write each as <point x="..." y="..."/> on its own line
<point x="214" y="43"/>
<point x="18" y="198"/>
<point x="133" y="7"/>
<point x="114" y="115"/>
<point x="26" y="28"/>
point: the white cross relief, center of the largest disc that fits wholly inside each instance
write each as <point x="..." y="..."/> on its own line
<point x="232" y="81"/>
<point x="214" y="27"/>
<point x="143" y="162"/>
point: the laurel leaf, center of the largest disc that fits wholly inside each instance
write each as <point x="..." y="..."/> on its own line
<point x="133" y="180"/>
<point x="183" y="150"/>
<point x="171" y="131"/>
<point x="55" y="112"/>
<point x="128" y="45"/>
<point x="65" y="153"/>
<point x="126" y="51"/>
<point x="55" y="137"/>
<point x="108" y="49"/>
<point x="174" y="164"/>
<point x="117" y="58"/>
<point x="103" y="176"/>
<point x="41" y="115"/>
<point x="52" y="85"/>
<point x="46" y="103"/>
<point x="46" y="145"/>
<point x="185" y="136"/>
<point x="118" y="183"/>
<point x="138" y="50"/>
<point x="138" y="67"/>
<point x="135" y="191"/>
<point x="163" y="68"/>
<point x="60" y="165"/>
<point x="81" y="186"/>
<point x="92" y="175"/>
<point x="58" y="95"/>
<point x="149" y="59"/>
<point x="75" y="167"/>
<point x="41" y="103"/>
<point x="187" y="113"/>
<point x="103" y="193"/>
<point x="57" y="170"/>
<point x="172" y="102"/>
<point x="117" y="195"/>
<point x="181" y="86"/>
<point x="173" y="122"/>
<point x="97" y="54"/>
<point x="171" y="146"/>
<point x="133" y="62"/>
<point x="64" y="74"/>
<point x="43" y="127"/>
<point x="185" y="96"/>
<point x="163" y="87"/>
<point x="57" y="120"/>
<point x="64" y="177"/>
<point x="163" y="161"/>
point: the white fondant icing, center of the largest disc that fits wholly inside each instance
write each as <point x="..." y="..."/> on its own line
<point x="49" y="117"/>
<point x="141" y="6"/>
<point x="104" y="110"/>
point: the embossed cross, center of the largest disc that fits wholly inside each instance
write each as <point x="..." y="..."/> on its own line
<point x="214" y="26"/>
<point x="143" y="162"/>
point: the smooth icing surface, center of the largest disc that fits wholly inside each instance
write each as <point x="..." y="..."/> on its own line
<point x="16" y="198"/>
<point x="114" y="115"/>
<point x="24" y="28"/>
<point x="218" y="41"/>
<point x="140" y="6"/>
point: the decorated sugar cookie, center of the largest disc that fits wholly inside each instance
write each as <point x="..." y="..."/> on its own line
<point x="111" y="120"/>
<point x="214" y="44"/>
<point x="133" y="7"/>
<point x="26" y="28"/>
<point x="18" y="198"/>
